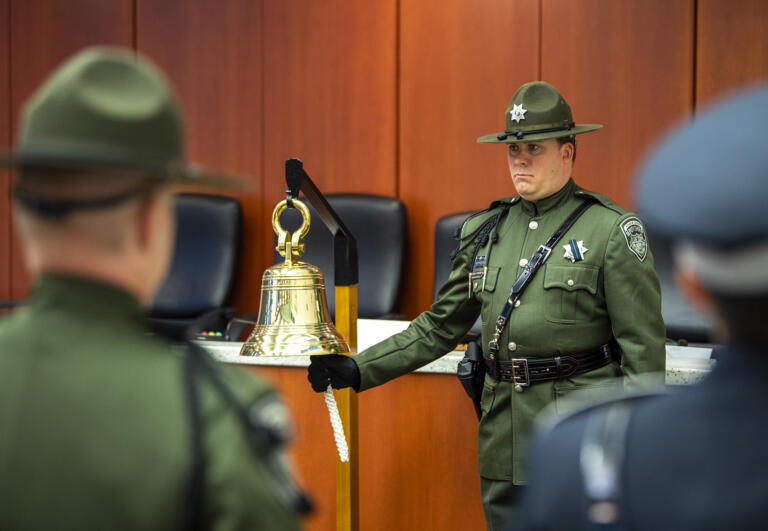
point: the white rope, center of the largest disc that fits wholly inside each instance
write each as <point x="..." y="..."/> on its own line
<point x="338" y="427"/>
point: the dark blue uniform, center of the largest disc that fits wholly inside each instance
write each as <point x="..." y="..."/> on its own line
<point x="695" y="459"/>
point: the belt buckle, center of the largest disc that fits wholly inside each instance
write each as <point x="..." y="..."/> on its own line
<point x="520" y="385"/>
<point x="546" y="251"/>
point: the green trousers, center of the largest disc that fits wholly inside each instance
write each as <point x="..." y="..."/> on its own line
<point x="500" y="499"/>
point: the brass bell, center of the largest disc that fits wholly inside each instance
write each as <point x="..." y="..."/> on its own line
<point x="293" y="313"/>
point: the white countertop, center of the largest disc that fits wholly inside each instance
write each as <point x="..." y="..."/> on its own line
<point x="685" y="365"/>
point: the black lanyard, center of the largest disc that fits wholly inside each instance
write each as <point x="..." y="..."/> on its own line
<point x="534" y="264"/>
<point x="264" y="441"/>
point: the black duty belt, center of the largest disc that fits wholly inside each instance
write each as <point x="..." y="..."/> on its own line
<point x="524" y="372"/>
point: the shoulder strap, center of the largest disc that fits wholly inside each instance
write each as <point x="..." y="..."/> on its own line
<point x="534" y="264"/>
<point x="196" y="487"/>
<point x="262" y="439"/>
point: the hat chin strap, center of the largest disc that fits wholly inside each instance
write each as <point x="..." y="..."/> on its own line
<point x="517" y="133"/>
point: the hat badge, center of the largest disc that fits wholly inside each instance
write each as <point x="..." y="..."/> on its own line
<point x="518" y="113"/>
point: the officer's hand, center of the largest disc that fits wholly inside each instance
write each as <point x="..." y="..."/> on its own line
<point x="336" y="370"/>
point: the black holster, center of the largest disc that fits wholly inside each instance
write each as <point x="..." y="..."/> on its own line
<point x="471" y="373"/>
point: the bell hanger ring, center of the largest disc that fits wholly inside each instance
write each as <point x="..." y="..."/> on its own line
<point x="290" y="245"/>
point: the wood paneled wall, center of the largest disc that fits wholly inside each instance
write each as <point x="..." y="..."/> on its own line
<point x="330" y="89"/>
<point x="42" y="33"/>
<point x="458" y="70"/>
<point x="213" y="53"/>
<point x="626" y="65"/>
<point x="731" y="46"/>
<point x="388" y="97"/>
<point x="5" y="142"/>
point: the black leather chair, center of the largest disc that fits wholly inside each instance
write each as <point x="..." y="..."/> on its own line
<point x="204" y="266"/>
<point x="379" y="225"/>
<point x="446" y="240"/>
<point x="684" y="323"/>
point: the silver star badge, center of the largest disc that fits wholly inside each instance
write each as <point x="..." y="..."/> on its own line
<point x="518" y="113"/>
<point x="580" y="250"/>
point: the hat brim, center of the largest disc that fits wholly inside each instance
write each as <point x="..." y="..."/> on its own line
<point x="511" y="139"/>
<point x="121" y="164"/>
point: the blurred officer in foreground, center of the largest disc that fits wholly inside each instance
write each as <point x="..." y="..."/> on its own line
<point x="103" y="425"/>
<point x="694" y="459"/>
<point x="584" y="310"/>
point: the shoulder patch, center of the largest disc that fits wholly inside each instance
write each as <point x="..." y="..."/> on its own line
<point x="634" y="235"/>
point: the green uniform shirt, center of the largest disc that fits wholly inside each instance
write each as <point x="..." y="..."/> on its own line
<point x="95" y="428"/>
<point x="568" y="307"/>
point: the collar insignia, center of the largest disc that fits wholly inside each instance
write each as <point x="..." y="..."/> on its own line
<point x="574" y="250"/>
<point x="518" y="113"/>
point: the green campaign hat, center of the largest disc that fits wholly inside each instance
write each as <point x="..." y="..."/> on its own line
<point x="537" y="112"/>
<point x="108" y="110"/>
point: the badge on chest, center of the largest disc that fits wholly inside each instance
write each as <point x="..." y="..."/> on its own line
<point x="574" y="250"/>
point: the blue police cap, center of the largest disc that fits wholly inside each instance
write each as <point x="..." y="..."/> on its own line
<point x="707" y="182"/>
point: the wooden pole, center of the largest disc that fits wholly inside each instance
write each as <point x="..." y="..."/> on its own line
<point x="347" y="503"/>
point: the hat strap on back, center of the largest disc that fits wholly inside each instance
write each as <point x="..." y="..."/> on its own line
<point x="51" y="208"/>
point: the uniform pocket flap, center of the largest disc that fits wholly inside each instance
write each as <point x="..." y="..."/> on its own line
<point x="486" y="283"/>
<point x="572" y="277"/>
<point x="492" y="276"/>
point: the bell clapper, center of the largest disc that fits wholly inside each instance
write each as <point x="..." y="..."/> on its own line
<point x="338" y="427"/>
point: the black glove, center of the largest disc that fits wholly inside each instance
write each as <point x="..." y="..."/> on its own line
<point x="335" y="369"/>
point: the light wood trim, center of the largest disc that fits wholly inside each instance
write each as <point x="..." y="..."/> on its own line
<point x="347" y="474"/>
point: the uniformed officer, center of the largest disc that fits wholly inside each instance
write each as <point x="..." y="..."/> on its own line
<point x="693" y="459"/>
<point x="103" y="425"/>
<point x="591" y="312"/>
